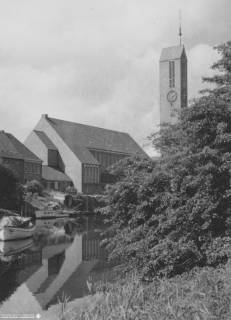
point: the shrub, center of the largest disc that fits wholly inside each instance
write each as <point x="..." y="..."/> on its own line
<point x="34" y="186"/>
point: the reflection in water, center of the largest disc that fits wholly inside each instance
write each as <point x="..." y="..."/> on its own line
<point x="12" y="248"/>
<point x="8" y="282"/>
<point x="59" y="261"/>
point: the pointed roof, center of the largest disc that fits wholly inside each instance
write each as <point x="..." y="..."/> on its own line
<point x="46" y="141"/>
<point x="81" y="138"/>
<point x="172" y="53"/>
<point x="11" y="147"/>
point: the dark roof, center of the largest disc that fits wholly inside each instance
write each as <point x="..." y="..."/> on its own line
<point x="51" y="174"/>
<point x="7" y="149"/>
<point x="81" y="138"/>
<point x="11" y="147"/>
<point x="46" y="141"/>
<point x="172" y="53"/>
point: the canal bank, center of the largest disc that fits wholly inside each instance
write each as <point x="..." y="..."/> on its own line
<point x="58" y="311"/>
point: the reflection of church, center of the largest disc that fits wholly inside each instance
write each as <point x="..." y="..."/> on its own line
<point x="64" y="266"/>
<point x="91" y="248"/>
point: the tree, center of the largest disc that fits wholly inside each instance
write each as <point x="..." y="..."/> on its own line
<point x="176" y="217"/>
<point x="221" y="80"/>
<point x="10" y="190"/>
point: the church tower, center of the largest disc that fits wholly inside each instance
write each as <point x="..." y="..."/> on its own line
<point x="173" y="83"/>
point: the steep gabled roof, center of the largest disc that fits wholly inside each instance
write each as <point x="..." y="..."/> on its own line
<point x="12" y="148"/>
<point x="81" y="138"/>
<point x="46" y="141"/>
<point x="172" y="53"/>
<point x="7" y="149"/>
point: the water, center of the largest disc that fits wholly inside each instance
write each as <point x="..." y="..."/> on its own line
<point x="63" y="259"/>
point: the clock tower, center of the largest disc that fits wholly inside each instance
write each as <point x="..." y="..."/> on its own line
<point x="173" y="83"/>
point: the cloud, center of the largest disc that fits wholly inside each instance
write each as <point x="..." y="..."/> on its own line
<point x="97" y="62"/>
<point x="201" y="57"/>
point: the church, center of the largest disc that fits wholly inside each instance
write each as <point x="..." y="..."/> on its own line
<point x="79" y="153"/>
<point x="173" y="83"/>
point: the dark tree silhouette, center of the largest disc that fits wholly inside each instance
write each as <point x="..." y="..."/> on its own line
<point x="10" y="190"/>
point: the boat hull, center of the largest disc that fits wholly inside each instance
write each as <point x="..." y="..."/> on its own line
<point x="8" y="248"/>
<point x="13" y="233"/>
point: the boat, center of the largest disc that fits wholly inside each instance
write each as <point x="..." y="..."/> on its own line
<point x="14" y="227"/>
<point x="9" y="248"/>
<point x="16" y="233"/>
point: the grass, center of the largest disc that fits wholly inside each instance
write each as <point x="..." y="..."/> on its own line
<point x="63" y="301"/>
<point x="203" y="294"/>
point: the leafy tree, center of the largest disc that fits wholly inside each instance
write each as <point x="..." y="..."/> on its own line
<point x="175" y="216"/>
<point x="10" y="190"/>
<point x="222" y="79"/>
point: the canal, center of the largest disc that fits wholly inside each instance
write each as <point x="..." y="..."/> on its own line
<point x="64" y="259"/>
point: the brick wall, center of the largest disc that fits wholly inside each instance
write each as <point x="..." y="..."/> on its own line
<point x="32" y="171"/>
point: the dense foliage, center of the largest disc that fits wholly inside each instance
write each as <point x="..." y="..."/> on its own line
<point x="10" y="190"/>
<point x="169" y="217"/>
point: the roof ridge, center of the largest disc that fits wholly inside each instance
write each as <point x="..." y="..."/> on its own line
<point x="172" y="53"/>
<point x="47" y="142"/>
<point x="87" y="125"/>
<point x="29" y="155"/>
<point x="80" y="138"/>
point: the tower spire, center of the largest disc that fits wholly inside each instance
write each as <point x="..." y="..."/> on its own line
<point x="180" y="30"/>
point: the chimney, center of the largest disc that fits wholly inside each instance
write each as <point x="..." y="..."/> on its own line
<point x="45" y="116"/>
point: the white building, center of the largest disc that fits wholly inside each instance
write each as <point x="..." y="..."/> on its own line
<point x="173" y="83"/>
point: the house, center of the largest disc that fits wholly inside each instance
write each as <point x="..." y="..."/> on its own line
<point x="80" y="151"/>
<point x="15" y="155"/>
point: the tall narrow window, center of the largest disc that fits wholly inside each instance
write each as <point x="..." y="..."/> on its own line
<point x="171" y="74"/>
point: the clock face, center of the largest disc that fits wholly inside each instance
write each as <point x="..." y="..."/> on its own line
<point x="172" y="96"/>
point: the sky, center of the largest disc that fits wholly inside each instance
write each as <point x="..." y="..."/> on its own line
<point x="97" y="61"/>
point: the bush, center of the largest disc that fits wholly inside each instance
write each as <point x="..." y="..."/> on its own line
<point x="71" y="190"/>
<point x="34" y="186"/>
